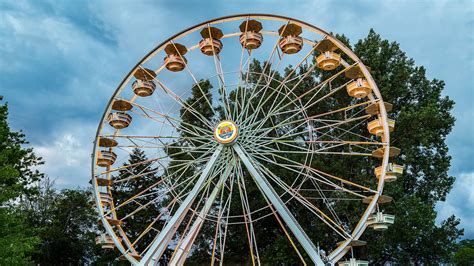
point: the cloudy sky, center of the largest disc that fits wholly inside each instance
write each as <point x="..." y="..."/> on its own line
<point x="61" y="60"/>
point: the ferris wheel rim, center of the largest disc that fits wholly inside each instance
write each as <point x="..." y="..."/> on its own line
<point x="360" y="227"/>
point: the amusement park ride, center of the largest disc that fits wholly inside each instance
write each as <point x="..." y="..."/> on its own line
<point x="247" y="139"/>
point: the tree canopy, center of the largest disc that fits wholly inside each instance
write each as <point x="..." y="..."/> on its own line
<point x="17" y="179"/>
<point x="423" y="117"/>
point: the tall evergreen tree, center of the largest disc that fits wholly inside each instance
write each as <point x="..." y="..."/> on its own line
<point x="138" y="175"/>
<point x="17" y="179"/>
<point x="16" y="162"/>
<point x="424" y="120"/>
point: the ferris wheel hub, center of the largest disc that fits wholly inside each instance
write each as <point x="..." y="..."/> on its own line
<point x="226" y="132"/>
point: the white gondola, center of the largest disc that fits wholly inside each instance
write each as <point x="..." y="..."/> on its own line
<point x="105" y="241"/>
<point x="119" y="120"/>
<point x="375" y="127"/>
<point x="290" y="42"/>
<point x="211" y="44"/>
<point x="327" y="59"/>
<point x="393" y="171"/>
<point x="143" y="88"/>
<point x="175" y="60"/>
<point x="106" y="158"/>
<point x="359" y="88"/>
<point x="353" y="262"/>
<point x="380" y="221"/>
<point x="251" y="38"/>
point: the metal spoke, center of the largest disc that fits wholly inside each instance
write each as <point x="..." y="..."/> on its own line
<point x="304" y="201"/>
<point x="245" y="111"/>
<point x="196" y="82"/>
<point x="159" y="244"/>
<point x="295" y="166"/>
<point x="186" y="106"/>
<point x="281" y="208"/>
<point x="183" y="249"/>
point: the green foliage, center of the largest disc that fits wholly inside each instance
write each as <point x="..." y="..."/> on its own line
<point x="423" y="120"/>
<point x="66" y="224"/>
<point x="17" y="179"/>
<point x="17" y="238"/>
<point x="464" y="255"/>
<point x="201" y="100"/>
<point x="16" y="163"/>
<point x="145" y="208"/>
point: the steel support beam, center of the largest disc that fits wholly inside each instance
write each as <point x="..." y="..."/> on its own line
<point x="281" y="208"/>
<point x="160" y="243"/>
<point x="182" y="251"/>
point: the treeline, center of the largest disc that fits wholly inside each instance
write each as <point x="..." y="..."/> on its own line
<point x="40" y="225"/>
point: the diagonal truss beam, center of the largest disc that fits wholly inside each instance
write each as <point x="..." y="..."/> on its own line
<point x="160" y="243"/>
<point x="182" y="251"/>
<point x="281" y="208"/>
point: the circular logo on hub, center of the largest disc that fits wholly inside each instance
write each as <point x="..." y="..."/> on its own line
<point x="226" y="132"/>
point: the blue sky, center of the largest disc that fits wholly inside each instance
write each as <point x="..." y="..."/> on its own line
<point x="61" y="61"/>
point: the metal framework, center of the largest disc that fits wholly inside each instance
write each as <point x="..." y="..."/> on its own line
<point x="276" y="128"/>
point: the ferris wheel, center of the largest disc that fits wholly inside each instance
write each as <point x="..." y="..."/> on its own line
<point x="239" y="122"/>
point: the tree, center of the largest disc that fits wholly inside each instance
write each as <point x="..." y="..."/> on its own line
<point x="464" y="255"/>
<point x="65" y="222"/>
<point x="16" y="163"/>
<point x="415" y="237"/>
<point x="424" y="120"/>
<point x="17" y="179"/>
<point x="17" y="239"/>
<point x="137" y="176"/>
<point x="68" y="236"/>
